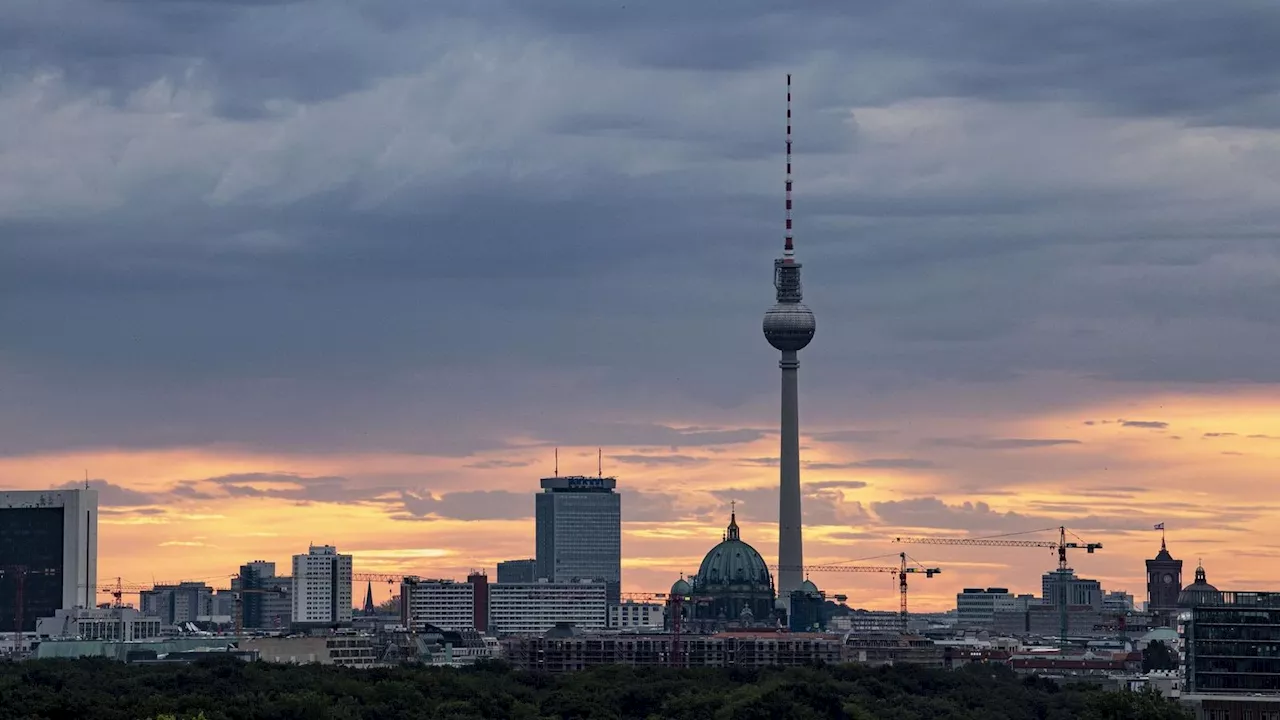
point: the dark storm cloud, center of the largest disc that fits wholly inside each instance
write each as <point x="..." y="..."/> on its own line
<point x="288" y="486"/>
<point x="852" y="436"/>
<point x="1001" y="443"/>
<point x="874" y="463"/>
<point x="660" y="435"/>
<point x="497" y="464"/>
<point x="465" y="505"/>
<point x="318" y="226"/>
<point x="659" y="460"/>
<point x="472" y="505"/>
<point x="820" y="505"/>
<point x="112" y="495"/>
<point x="978" y="517"/>
<point x="836" y="485"/>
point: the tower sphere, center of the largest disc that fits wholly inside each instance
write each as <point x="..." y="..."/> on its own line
<point x="789" y="326"/>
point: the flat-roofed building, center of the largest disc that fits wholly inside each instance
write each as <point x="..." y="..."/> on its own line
<point x="49" y="545"/>
<point x="535" y="608"/>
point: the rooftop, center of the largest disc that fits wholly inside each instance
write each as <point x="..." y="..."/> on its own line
<point x="579" y="483"/>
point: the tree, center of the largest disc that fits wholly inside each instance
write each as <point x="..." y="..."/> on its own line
<point x="1158" y="656"/>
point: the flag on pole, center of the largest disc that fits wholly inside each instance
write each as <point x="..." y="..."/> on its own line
<point x="1159" y="526"/>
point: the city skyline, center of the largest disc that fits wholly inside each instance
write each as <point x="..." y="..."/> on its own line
<point x="356" y="291"/>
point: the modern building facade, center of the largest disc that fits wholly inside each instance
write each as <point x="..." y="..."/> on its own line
<point x="110" y="624"/>
<point x="637" y="615"/>
<point x="1078" y="591"/>
<point x="579" y="532"/>
<point x="49" y="548"/>
<point x="1231" y="642"/>
<point x="321" y="588"/>
<point x="173" y="604"/>
<point x="976" y="607"/>
<point x="789" y="327"/>
<point x="518" y="571"/>
<point x="535" y="608"/>
<point x="266" y="599"/>
<point x="444" y="604"/>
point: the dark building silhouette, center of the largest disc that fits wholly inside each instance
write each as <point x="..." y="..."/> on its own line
<point x="1164" y="583"/>
<point x="733" y="588"/>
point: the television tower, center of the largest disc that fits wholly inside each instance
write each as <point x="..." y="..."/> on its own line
<point x="789" y="326"/>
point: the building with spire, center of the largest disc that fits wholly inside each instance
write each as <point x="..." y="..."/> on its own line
<point x="789" y="326"/>
<point x="1164" y="582"/>
<point x="733" y="587"/>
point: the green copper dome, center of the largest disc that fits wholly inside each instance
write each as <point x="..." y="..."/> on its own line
<point x="732" y="564"/>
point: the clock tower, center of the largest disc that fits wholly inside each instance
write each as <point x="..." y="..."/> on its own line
<point x="1164" y="581"/>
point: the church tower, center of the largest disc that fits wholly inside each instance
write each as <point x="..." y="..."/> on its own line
<point x="1164" y="580"/>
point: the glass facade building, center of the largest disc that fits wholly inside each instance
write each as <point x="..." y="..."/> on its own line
<point x="49" y="549"/>
<point x="579" y="532"/>
<point x="1232" y="643"/>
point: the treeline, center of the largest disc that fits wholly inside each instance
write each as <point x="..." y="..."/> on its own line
<point x="95" y="689"/>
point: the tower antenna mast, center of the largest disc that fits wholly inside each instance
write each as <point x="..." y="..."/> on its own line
<point x="788" y="249"/>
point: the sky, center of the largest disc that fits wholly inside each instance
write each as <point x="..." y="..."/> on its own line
<point x="286" y="272"/>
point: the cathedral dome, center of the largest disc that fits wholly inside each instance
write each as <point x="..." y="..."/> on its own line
<point x="681" y="587"/>
<point x="808" y="587"/>
<point x="733" y="564"/>
<point x="1199" y="592"/>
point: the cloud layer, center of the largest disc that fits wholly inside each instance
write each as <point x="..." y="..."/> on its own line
<point x="383" y="258"/>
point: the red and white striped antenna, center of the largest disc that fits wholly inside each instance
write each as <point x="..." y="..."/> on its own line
<point x="789" y="251"/>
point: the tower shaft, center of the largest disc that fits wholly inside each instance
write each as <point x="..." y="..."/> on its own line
<point x="790" y="536"/>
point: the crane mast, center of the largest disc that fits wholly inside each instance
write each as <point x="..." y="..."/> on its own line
<point x="1061" y="546"/>
<point x="901" y="570"/>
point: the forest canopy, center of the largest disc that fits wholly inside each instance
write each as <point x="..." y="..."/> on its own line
<point x="227" y="689"/>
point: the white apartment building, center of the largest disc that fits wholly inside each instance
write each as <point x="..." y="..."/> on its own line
<point x="445" y="604"/>
<point x="637" y="615"/>
<point x="534" y="608"/>
<point x="321" y="588"/>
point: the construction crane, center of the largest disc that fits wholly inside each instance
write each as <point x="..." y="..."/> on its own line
<point x="1002" y="541"/>
<point x="901" y="570"/>
<point x="20" y="573"/>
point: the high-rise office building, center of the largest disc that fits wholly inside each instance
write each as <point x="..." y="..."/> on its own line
<point x="265" y="598"/>
<point x="579" y="532"/>
<point x="321" y="588"/>
<point x="518" y="571"/>
<point x="49" y="550"/>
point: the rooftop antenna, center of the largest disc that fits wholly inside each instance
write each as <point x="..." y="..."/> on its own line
<point x="86" y="479"/>
<point x="599" y="463"/>
<point x="557" y="462"/>
<point x="788" y="250"/>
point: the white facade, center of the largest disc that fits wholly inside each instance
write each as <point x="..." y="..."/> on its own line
<point x="637" y="615"/>
<point x="534" y="608"/>
<point x="121" y="624"/>
<point x="322" y="587"/>
<point x="446" y="604"/>
<point x="79" y="541"/>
